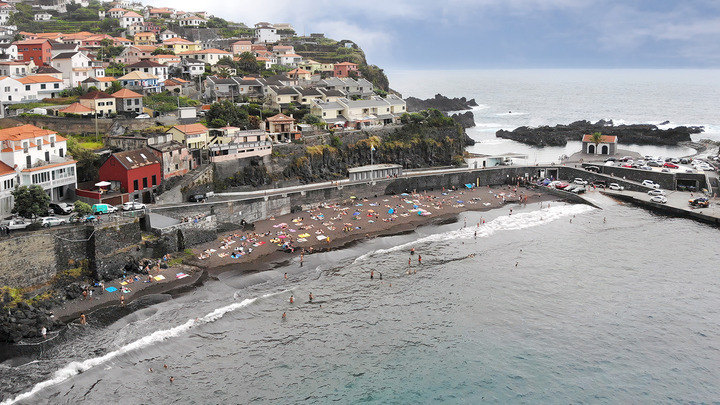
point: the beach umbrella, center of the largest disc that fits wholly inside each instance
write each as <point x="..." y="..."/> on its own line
<point x="352" y="197"/>
<point x="103" y="184"/>
<point x="391" y="211"/>
<point x="356" y="213"/>
<point x="404" y="194"/>
<point x="371" y="211"/>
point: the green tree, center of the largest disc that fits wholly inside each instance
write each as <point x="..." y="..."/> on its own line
<point x="227" y="113"/>
<point x="596" y="138"/>
<point x="82" y="208"/>
<point x="114" y="87"/>
<point x="248" y="64"/>
<point x="30" y="201"/>
<point x="311" y="119"/>
<point x="163" y="51"/>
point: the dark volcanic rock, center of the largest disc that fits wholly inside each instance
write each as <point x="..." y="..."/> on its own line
<point x="466" y="119"/>
<point x="642" y="134"/>
<point x="441" y="103"/>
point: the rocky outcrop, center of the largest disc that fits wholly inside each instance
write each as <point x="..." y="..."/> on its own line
<point x="642" y="134"/>
<point x="25" y="321"/>
<point x="466" y="119"/>
<point x="441" y="103"/>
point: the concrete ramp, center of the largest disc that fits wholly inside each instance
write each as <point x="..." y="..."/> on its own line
<point x="159" y="222"/>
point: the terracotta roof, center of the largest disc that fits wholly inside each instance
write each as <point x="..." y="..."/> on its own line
<point x="146" y="48"/>
<point x="280" y="117"/>
<point x="206" y="51"/>
<point x="605" y="138"/>
<point x="116" y="9"/>
<point x="76" y="108"/>
<point x="133" y="159"/>
<point x="299" y="71"/>
<point x="5" y="169"/>
<point x="23" y="132"/>
<point x="346" y="64"/>
<point x="125" y="93"/>
<point x="95" y="95"/>
<point x="177" y="40"/>
<point x="31" y="41"/>
<point x="38" y="79"/>
<point x="191" y="129"/>
<point x="242" y="43"/>
<point x="131" y="14"/>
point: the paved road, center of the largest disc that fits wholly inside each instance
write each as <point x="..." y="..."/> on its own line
<point x="677" y="199"/>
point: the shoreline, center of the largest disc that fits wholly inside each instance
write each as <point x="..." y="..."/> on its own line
<point x="269" y="258"/>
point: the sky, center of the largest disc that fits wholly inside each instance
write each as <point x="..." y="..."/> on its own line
<point x="467" y="34"/>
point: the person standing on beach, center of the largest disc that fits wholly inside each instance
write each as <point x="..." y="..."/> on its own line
<point x="372" y="274"/>
<point x="419" y="259"/>
<point x="83" y="319"/>
<point x="292" y="299"/>
<point x="311" y="297"/>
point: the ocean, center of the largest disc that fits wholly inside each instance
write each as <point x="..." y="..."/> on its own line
<point x="554" y="304"/>
<point x="508" y="99"/>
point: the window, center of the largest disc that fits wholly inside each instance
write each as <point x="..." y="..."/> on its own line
<point x="47" y="156"/>
<point x="27" y="88"/>
<point x="28" y="161"/>
<point x="43" y="86"/>
<point x="144" y="182"/>
<point x="61" y="152"/>
<point x="154" y="180"/>
<point x="26" y="145"/>
<point x="135" y="185"/>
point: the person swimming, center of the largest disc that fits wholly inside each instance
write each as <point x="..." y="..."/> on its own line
<point x="372" y="274"/>
<point x="412" y="251"/>
<point x="311" y="297"/>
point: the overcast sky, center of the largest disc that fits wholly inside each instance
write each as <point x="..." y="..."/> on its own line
<point x="448" y="34"/>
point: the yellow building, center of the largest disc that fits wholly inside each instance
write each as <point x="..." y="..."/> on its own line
<point x="179" y="45"/>
<point x="194" y="136"/>
<point x="145" y="38"/>
<point x="100" y="102"/>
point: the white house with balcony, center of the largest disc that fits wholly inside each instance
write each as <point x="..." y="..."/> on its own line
<point x="266" y="33"/>
<point x="131" y="18"/>
<point x="32" y="155"/>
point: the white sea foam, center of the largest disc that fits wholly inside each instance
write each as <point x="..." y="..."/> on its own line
<point x="504" y="223"/>
<point x="77" y="367"/>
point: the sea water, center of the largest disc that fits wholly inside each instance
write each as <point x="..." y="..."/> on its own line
<point x="509" y="99"/>
<point x="560" y="303"/>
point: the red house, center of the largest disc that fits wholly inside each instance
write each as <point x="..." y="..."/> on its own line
<point x="36" y="50"/>
<point x="137" y="172"/>
<point x="343" y="69"/>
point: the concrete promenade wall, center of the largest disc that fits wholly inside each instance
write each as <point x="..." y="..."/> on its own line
<point x="667" y="181"/>
<point x="669" y="209"/>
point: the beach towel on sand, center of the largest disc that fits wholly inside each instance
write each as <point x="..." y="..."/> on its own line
<point x="159" y="277"/>
<point x="111" y="289"/>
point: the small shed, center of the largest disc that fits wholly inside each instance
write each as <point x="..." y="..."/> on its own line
<point x="608" y="145"/>
<point x="374" y="172"/>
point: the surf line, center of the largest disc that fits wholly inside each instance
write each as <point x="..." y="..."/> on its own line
<point x="77" y="367"/>
<point x="516" y="221"/>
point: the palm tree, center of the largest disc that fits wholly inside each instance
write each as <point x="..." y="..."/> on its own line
<point x="597" y="139"/>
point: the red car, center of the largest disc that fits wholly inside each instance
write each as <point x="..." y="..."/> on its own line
<point x="670" y="165"/>
<point x="628" y="166"/>
<point x="561" y="186"/>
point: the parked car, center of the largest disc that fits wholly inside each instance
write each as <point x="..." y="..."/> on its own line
<point x="561" y="186"/>
<point x="656" y="192"/>
<point x="670" y="165"/>
<point x="599" y="183"/>
<point x="102" y="209"/>
<point x="61" y="208"/>
<point x="653" y="164"/>
<point x="659" y="199"/>
<point x="651" y="184"/>
<point x="615" y="186"/>
<point x="647" y="168"/>
<point x="700" y="202"/>
<point x="196" y="198"/>
<point x="52" y="221"/>
<point x="16" y="223"/>
<point x="142" y="116"/>
<point x="133" y="205"/>
<point x="580" y="181"/>
<point x="594" y="169"/>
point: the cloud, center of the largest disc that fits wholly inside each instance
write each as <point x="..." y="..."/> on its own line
<point x="462" y="32"/>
